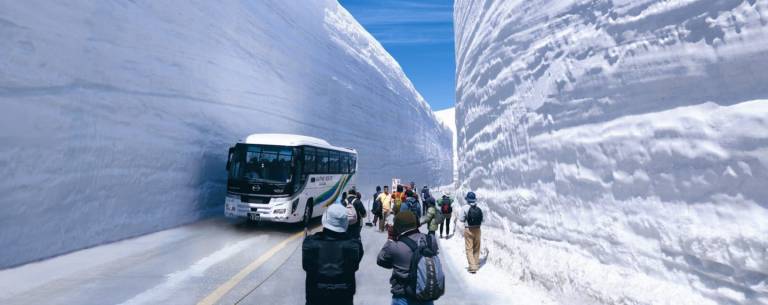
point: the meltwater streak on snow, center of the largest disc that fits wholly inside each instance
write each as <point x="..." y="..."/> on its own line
<point x="115" y="117"/>
<point x="622" y="146"/>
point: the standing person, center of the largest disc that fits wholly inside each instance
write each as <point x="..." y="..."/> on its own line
<point x="376" y="206"/>
<point x="386" y="207"/>
<point x="330" y="259"/>
<point x="411" y="203"/>
<point x="424" y="194"/>
<point x="397" y="254"/>
<point x="432" y="217"/>
<point x="397" y="199"/>
<point x="356" y="205"/>
<point x="472" y="217"/>
<point x="446" y="208"/>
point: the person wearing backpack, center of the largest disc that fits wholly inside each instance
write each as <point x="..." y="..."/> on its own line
<point x="355" y="213"/>
<point x="432" y="217"/>
<point x="472" y="217"/>
<point x="376" y="206"/>
<point x="446" y="209"/>
<point x="411" y="203"/>
<point x="330" y="259"/>
<point x="417" y="274"/>
<point x="424" y="195"/>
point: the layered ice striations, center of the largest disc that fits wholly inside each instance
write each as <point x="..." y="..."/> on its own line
<point x="116" y="117"/>
<point x="621" y="145"/>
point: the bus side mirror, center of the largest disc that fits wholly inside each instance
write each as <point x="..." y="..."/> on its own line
<point x="229" y="157"/>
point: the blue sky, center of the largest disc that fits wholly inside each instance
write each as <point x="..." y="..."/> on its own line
<point x="419" y="35"/>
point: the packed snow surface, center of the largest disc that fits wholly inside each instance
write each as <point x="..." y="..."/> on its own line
<point x="620" y="147"/>
<point x="116" y="116"/>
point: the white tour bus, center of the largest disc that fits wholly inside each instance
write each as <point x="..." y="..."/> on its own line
<point x="286" y="178"/>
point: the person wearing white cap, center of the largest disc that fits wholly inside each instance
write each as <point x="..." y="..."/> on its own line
<point x="331" y="258"/>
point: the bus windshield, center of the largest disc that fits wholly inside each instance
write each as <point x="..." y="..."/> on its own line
<point x="262" y="163"/>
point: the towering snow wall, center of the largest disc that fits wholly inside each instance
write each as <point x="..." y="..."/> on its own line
<point x="621" y="147"/>
<point x="116" y="116"/>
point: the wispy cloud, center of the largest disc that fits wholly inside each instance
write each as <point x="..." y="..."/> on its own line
<point x="405" y="21"/>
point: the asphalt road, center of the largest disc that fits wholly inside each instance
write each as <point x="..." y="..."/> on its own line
<point x="210" y="262"/>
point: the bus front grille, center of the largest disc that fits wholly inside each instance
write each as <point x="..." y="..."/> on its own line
<point x="255" y="199"/>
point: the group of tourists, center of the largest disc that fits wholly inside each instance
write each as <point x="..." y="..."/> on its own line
<point x="435" y="213"/>
<point x="332" y="256"/>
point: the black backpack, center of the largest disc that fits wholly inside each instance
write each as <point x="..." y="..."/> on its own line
<point x="474" y="216"/>
<point x="333" y="274"/>
<point x="376" y="209"/>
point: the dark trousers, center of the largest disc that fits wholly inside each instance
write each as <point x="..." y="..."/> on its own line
<point x="324" y="301"/>
<point x="447" y="224"/>
<point x="354" y="230"/>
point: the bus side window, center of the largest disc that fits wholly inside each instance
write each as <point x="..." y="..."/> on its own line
<point x="322" y="164"/>
<point x="353" y="164"/>
<point x="334" y="162"/>
<point x="310" y="161"/>
<point x="344" y="163"/>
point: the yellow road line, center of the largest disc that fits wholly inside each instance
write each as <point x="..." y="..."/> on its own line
<point x="217" y="294"/>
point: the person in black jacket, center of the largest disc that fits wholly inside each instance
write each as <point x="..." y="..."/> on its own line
<point x="331" y="258"/>
<point x="353" y="198"/>
<point x="376" y="206"/>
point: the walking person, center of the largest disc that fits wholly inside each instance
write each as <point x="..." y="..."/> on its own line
<point x="376" y="206"/>
<point x="411" y="203"/>
<point x="424" y="194"/>
<point x="405" y="253"/>
<point x="330" y="259"/>
<point x="356" y="213"/>
<point x="432" y="217"/>
<point x="386" y="207"/>
<point x="472" y="217"/>
<point x="446" y="208"/>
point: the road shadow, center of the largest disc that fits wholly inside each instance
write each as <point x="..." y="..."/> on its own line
<point x="484" y="253"/>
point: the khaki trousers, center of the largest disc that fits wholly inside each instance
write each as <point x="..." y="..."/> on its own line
<point x="383" y="220"/>
<point x="472" y="247"/>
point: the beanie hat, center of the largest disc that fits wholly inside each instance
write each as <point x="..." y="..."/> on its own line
<point x="335" y="218"/>
<point x="405" y="221"/>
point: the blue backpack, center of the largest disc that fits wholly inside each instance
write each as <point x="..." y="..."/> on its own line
<point x="411" y="205"/>
<point x="426" y="280"/>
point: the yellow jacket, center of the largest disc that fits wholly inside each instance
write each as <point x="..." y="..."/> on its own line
<point x="386" y="202"/>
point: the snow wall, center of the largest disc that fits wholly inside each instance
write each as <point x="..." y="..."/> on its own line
<point x="620" y="146"/>
<point x="116" y="116"/>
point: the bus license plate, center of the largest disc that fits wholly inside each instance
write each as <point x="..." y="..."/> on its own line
<point x="254" y="216"/>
